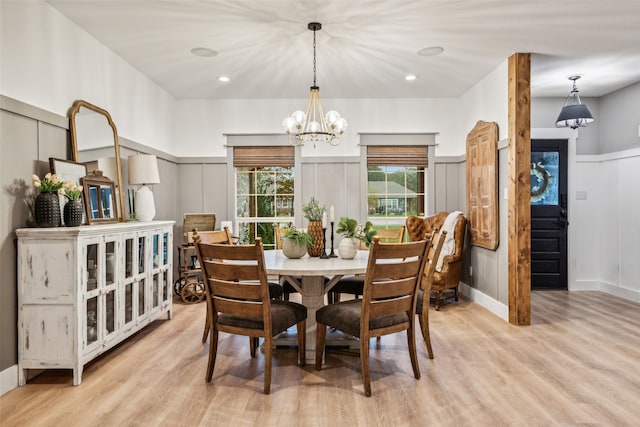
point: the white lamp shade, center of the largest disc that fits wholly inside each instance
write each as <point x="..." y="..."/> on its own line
<point x="143" y="169"/>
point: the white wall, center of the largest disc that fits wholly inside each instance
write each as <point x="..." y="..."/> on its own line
<point x="210" y="119"/>
<point x="49" y="62"/>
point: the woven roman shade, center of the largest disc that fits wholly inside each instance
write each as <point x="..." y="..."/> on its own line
<point x="263" y="156"/>
<point x="397" y="155"/>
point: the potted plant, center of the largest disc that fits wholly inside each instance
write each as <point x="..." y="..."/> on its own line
<point x="351" y="232"/>
<point x="313" y="213"/>
<point x="295" y="243"/>
<point x="73" y="210"/>
<point x="47" y="204"/>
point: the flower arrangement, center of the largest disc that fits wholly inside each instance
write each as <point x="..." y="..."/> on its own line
<point x="71" y="191"/>
<point x="349" y="227"/>
<point x="49" y="184"/>
<point x="313" y="211"/>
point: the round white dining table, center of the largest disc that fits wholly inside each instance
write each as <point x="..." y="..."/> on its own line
<point x="312" y="287"/>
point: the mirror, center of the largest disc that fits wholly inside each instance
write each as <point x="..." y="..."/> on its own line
<point x="94" y="140"/>
<point x="99" y="199"/>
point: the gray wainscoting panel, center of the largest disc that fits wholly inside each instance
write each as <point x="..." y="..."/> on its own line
<point x="216" y="192"/>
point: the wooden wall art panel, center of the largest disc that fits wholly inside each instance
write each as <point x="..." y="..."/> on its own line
<point x="482" y="184"/>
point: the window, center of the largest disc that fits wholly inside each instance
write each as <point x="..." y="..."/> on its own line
<point x="395" y="183"/>
<point x="264" y="191"/>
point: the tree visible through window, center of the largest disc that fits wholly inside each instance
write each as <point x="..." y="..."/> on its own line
<point x="264" y="192"/>
<point x="395" y="183"/>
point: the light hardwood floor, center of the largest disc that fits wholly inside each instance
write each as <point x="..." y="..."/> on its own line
<point x="578" y="363"/>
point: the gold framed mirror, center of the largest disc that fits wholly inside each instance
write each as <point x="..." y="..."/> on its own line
<point x="94" y="140"/>
<point x="99" y="199"/>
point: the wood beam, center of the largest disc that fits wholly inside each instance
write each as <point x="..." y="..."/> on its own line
<point x="519" y="239"/>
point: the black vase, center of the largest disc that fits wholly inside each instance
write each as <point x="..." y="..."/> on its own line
<point x="47" y="210"/>
<point x="72" y="213"/>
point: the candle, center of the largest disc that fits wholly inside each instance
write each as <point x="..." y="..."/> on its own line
<point x="324" y="219"/>
<point x="332" y="214"/>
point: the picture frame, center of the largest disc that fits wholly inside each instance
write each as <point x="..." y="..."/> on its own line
<point x="68" y="170"/>
<point x="99" y="197"/>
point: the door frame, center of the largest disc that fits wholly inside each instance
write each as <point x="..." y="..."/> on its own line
<point x="571" y="136"/>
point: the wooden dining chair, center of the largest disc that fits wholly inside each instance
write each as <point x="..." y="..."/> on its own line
<point x="388" y="303"/>
<point x="239" y="302"/>
<point x="353" y="285"/>
<point x="219" y="237"/>
<point x="422" y="308"/>
<point x="224" y="237"/>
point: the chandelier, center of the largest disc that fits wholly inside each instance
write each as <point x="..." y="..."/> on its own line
<point x="574" y="114"/>
<point x="314" y="126"/>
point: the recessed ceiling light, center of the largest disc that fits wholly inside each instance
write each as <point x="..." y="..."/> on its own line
<point x="410" y="77"/>
<point x="204" y="52"/>
<point x="224" y="79"/>
<point x="431" y="51"/>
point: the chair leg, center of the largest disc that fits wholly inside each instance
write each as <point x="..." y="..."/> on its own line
<point x="321" y="334"/>
<point x="438" y="293"/>
<point x="207" y="322"/>
<point x="364" y="365"/>
<point x="455" y="293"/>
<point x="253" y="343"/>
<point x="411" y="341"/>
<point x="267" y="364"/>
<point x="213" y="350"/>
<point x="301" y="328"/>
<point x="424" y="327"/>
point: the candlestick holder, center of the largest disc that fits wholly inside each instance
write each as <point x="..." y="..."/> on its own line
<point x="332" y="254"/>
<point x="324" y="244"/>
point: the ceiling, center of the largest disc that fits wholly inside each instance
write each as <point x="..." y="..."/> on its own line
<point x="366" y="47"/>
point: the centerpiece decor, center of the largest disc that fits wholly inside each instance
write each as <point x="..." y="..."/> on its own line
<point x="47" y="204"/>
<point x="313" y="213"/>
<point x="73" y="209"/>
<point x="351" y="233"/>
<point x="295" y="243"/>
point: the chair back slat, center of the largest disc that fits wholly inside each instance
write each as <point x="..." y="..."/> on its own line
<point x="392" y="288"/>
<point x="242" y="308"/>
<point x="432" y="260"/>
<point x="397" y="269"/>
<point x="236" y="290"/>
<point x="388" y="307"/>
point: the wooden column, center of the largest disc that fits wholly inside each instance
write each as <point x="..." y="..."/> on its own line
<point x="519" y="189"/>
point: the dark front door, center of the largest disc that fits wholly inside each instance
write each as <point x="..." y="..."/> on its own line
<point x="549" y="214"/>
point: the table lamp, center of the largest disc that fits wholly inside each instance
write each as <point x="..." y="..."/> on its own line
<point x="143" y="171"/>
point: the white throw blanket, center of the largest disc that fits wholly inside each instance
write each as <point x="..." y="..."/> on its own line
<point x="449" y="245"/>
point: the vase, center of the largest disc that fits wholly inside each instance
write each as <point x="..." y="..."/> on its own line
<point x="293" y="249"/>
<point x="348" y="248"/>
<point x="72" y="213"/>
<point x="47" y="210"/>
<point x="314" y="228"/>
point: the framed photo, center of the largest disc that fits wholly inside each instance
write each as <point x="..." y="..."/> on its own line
<point x="99" y="199"/>
<point x="68" y="170"/>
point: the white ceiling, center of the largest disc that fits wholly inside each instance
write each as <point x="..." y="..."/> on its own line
<point x="366" y="47"/>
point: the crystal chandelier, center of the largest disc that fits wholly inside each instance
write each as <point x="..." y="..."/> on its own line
<point x="314" y="126"/>
<point x="574" y="114"/>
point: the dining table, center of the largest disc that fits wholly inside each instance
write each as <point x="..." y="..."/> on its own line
<point x="313" y="277"/>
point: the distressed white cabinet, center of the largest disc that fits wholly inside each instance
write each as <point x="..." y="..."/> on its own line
<point x="82" y="290"/>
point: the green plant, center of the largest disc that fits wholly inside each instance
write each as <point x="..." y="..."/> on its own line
<point x="49" y="184"/>
<point x="349" y="227"/>
<point x="313" y="211"/>
<point x="300" y="237"/>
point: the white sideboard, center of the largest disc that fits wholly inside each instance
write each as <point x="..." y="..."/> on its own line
<point x="82" y="290"/>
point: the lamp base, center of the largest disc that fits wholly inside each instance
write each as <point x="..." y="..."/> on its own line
<point x="145" y="205"/>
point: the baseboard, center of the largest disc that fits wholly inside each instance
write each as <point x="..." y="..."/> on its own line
<point x="494" y="306"/>
<point x="585" y="285"/>
<point x="629" y="294"/>
<point x="8" y="379"/>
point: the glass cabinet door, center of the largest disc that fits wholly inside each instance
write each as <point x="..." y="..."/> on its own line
<point x="91" y="266"/>
<point x="128" y="258"/>
<point x="128" y="303"/>
<point x="91" y="332"/>
<point x="110" y="296"/>
<point x="156" y="291"/>
<point x="166" y="286"/>
<point x="141" y="297"/>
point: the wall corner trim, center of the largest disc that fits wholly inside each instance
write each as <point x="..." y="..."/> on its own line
<point x="494" y="306"/>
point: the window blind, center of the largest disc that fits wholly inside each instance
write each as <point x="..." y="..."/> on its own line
<point x="263" y="156"/>
<point x="397" y="155"/>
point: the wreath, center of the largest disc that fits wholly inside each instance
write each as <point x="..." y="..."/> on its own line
<point x="543" y="179"/>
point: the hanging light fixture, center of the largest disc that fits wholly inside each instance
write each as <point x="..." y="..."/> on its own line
<point x="314" y="126"/>
<point x="574" y="114"/>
